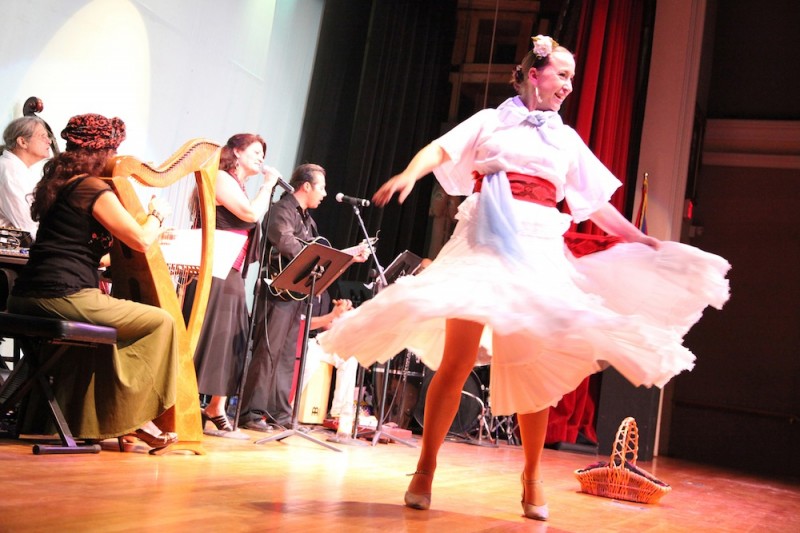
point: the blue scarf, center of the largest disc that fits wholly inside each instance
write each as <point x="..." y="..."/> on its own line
<point x="496" y="226"/>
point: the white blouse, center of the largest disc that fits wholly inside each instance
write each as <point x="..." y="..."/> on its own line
<point x="17" y="181"/>
<point x="536" y="143"/>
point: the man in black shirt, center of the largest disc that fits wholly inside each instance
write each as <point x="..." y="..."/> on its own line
<point x="270" y="375"/>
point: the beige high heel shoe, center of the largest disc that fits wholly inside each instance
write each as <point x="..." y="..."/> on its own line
<point x="535" y="512"/>
<point x="419" y="501"/>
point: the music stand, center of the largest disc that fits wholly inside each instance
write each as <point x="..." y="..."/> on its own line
<point x="404" y="264"/>
<point x="309" y="273"/>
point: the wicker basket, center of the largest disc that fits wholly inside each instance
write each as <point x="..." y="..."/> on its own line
<point x="621" y="479"/>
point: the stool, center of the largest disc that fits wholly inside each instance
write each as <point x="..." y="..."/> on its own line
<point x="39" y="336"/>
<point x="11" y="354"/>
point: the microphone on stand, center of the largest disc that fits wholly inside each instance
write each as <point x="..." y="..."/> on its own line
<point x="358" y="202"/>
<point x="266" y="169"/>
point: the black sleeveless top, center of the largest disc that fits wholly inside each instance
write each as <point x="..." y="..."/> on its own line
<point x="69" y="244"/>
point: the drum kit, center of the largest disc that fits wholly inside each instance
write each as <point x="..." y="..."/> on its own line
<point x="400" y="385"/>
<point x="406" y="390"/>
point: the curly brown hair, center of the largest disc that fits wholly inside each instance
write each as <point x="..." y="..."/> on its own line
<point x="227" y="158"/>
<point x="60" y="170"/>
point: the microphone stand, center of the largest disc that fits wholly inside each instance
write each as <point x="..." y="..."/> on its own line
<point x="381" y="283"/>
<point x="257" y="293"/>
<point x="378" y="267"/>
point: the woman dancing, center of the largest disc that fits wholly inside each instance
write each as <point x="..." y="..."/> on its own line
<point x="554" y="319"/>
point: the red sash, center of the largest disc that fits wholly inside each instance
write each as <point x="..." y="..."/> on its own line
<point x="525" y="188"/>
<point x="540" y="191"/>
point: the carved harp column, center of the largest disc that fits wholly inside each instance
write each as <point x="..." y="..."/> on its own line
<point x="144" y="277"/>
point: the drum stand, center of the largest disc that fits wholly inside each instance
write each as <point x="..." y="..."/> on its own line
<point x="358" y="401"/>
<point x="506" y="424"/>
<point x="379" y="431"/>
<point x="484" y="423"/>
<point x="493" y="425"/>
<point x="316" y="263"/>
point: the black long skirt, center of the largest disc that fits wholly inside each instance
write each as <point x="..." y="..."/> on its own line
<point x="221" y="349"/>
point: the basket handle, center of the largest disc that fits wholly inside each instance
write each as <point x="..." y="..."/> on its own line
<point x="626" y="444"/>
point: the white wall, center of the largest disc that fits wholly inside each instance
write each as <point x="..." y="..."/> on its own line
<point x="173" y="70"/>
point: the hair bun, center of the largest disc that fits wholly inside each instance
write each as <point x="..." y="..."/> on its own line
<point x="519" y="76"/>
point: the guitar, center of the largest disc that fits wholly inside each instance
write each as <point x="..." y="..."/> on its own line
<point x="278" y="263"/>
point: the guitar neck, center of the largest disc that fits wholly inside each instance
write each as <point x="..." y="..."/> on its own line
<point x="354" y="250"/>
<point x="357" y="249"/>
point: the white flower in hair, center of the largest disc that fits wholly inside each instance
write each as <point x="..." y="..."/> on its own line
<point x="543" y="45"/>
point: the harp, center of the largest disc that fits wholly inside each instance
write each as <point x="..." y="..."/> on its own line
<point x="145" y="277"/>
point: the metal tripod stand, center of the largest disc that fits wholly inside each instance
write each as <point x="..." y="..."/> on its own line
<point x="309" y="273"/>
<point x="315" y="274"/>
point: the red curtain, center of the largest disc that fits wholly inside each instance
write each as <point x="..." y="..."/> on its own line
<point x="607" y="50"/>
<point x="601" y="109"/>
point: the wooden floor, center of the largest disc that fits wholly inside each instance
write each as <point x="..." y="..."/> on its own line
<point x="297" y="485"/>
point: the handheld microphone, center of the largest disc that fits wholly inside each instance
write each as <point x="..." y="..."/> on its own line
<point x="266" y="169"/>
<point x="285" y="186"/>
<point x="358" y="202"/>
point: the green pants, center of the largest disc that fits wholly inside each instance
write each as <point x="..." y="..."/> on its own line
<point x="112" y="390"/>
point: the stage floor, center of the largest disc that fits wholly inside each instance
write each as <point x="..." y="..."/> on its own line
<point x="297" y="485"/>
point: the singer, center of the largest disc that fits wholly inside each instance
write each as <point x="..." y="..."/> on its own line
<point x="358" y="202"/>
<point x="220" y="355"/>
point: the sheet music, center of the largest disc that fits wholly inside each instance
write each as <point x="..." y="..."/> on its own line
<point x="183" y="247"/>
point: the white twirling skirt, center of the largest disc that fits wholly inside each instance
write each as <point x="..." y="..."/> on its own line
<point x="554" y="319"/>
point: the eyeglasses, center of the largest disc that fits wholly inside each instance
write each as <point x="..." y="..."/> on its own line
<point x="41" y="136"/>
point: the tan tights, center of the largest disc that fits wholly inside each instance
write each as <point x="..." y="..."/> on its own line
<point x="442" y="401"/>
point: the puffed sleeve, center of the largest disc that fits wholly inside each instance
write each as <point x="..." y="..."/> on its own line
<point x="460" y="143"/>
<point x="86" y="192"/>
<point x="589" y="183"/>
